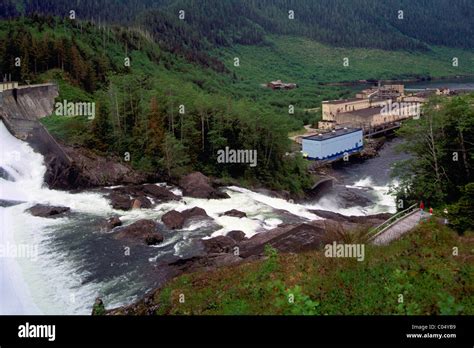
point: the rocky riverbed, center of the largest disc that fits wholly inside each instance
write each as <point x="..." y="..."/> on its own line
<point x="122" y="242"/>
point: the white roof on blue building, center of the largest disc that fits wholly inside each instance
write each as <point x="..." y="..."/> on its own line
<point x="332" y="134"/>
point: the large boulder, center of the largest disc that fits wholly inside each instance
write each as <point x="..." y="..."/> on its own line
<point x="136" y="196"/>
<point x="235" y="213"/>
<point x="290" y="238"/>
<point x="219" y="244"/>
<point x="120" y="201"/>
<point x="194" y="212"/>
<point x="160" y="193"/>
<point x="173" y="219"/>
<point x="141" y="202"/>
<point x="198" y="185"/>
<point x="42" y="210"/>
<point x="142" y="231"/>
<point x="236" y="235"/>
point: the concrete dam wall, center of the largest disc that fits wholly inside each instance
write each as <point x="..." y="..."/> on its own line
<point x="67" y="167"/>
<point x="20" y="110"/>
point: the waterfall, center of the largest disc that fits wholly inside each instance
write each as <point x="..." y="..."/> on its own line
<point x="23" y="241"/>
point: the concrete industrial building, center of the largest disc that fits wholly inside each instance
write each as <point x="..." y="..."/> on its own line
<point x="332" y="145"/>
<point x="374" y="117"/>
<point x="373" y="107"/>
<point x="382" y="91"/>
<point x="331" y="109"/>
<point x="345" y="122"/>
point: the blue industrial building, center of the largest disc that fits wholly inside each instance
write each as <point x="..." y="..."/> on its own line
<point x="332" y="145"/>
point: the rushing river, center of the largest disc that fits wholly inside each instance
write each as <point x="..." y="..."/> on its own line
<point x="67" y="262"/>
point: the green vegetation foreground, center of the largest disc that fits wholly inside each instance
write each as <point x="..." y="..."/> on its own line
<point x="422" y="266"/>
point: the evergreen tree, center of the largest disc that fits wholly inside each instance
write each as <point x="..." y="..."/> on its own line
<point x="175" y="158"/>
<point x="155" y="131"/>
<point x="100" y="127"/>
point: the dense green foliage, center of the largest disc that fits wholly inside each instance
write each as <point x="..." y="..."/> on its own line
<point x="442" y="145"/>
<point x="356" y="23"/>
<point x="182" y="98"/>
<point x="168" y="115"/>
<point x="420" y="266"/>
<point x="461" y="214"/>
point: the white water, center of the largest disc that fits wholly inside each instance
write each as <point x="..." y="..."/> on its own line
<point x="51" y="283"/>
<point x="384" y="201"/>
<point x="42" y="282"/>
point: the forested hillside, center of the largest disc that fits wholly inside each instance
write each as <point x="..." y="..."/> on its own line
<point x="356" y="23"/>
<point x="170" y="115"/>
<point x="182" y="97"/>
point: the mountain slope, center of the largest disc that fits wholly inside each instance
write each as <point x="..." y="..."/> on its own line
<point x="356" y="23"/>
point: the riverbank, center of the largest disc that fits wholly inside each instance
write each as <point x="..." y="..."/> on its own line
<point x="320" y="285"/>
<point x="234" y="249"/>
<point x="397" y="81"/>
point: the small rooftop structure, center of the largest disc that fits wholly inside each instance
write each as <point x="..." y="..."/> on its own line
<point x="368" y="112"/>
<point x="332" y="134"/>
<point x="343" y="101"/>
<point x="278" y="84"/>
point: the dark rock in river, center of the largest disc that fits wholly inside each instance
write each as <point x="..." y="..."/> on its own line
<point x="47" y="210"/>
<point x="150" y="190"/>
<point x="144" y="231"/>
<point x="235" y="213"/>
<point x="135" y="196"/>
<point x="120" y="201"/>
<point x="160" y="193"/>
<point x="173" y="219"/>
<point x="219" y="195"/>
<point x="198" y="185"/>
<point x="236" y="235"/>
<point x="141" y="202"/>
<point x="194" y="212"/>
<point x="110" y="224"/>
<point x="114" y="221"/>
<point x="219" y="244"/>
<point x="4" y="175"/>
<point x="7" y="203"/>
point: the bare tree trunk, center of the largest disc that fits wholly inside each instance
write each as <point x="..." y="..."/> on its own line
<point x="464" y="154"/>
<point x="431" y="144"/>
<point x="202" y="131"/>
